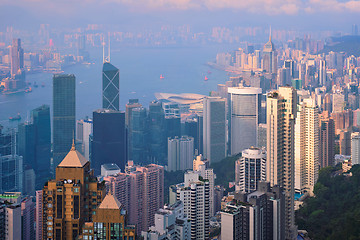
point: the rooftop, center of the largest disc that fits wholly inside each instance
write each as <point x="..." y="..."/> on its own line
<point x="110" y="202"/>
<point x="73" y="159"/>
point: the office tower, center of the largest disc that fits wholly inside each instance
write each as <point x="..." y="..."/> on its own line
<point x="83" y="132"/>
<point x="26" y="143"/>
<point x="340" y="57"/>
<point x="172" y="126"/>
<point x="355" y="148"/>
<point x="322" y="73"/>
<point x="345" y="143"/>
<point x="250" y="169"/>
<point x="16" y="57"/>
<point x="214" y="129"/>
<point x="27" y="218"/>
<point x="180" y="153"/>
<point x="327" y="142"/>
<point x="290" y="64"/>
<point x="262" y="131"/>
<point x="133" y="103"/>
<point x="281" y="114"/>
<point x="141" y="191"/>
<point x="157" y="139"/>
<point x="269" y="57"/>
<point x="109" y="169"/>
<point x="191" y="129"/>
<point x="29" y="180"/>
<point x="39" y="215"/>
<point x="284" y="77"/>
<point x="109" y="139"/>
<point x="201" y="167"/>
<point x="194" y="193"/>
<point x="41" y="120"/>
<point x="69" y="200"/>
<point x="307" y="146"/>
<point x="110" y="87"/>
<point x="11" y="173"/>
<point x="170" y="223"/>
<point x="258" y="215"/>
<point x="63" y="115"/>
<point x="109" y="222"/>
<point x="244" y="115"/>
<point x="138" y="143"/>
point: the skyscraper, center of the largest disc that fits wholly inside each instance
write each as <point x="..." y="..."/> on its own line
<point x="109" y="139"/>
<point x="157" y="139"/>
<point x="138" y="135"/>
<point x="269" y="57"/>
<point x="214" y="129"/>
<point x="250" y="169"/>
<point x="16" y="57"/>
<point x="110" y="87"/>
<point x="39" y="215"/>
<point x="41" y="120"/>
<point x="83" y="132"/>
<point x="133" y="103"/>
<point x="71" y="198"/>
<point x="355" y="148"/>
<point x="63" y="115"/>
<point x="307" y="146"/>
<point x="244" y="115"/>
<point x="280" y="170"/>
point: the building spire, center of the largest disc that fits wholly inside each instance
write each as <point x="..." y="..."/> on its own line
<point x="270" y="34"/>
<point x="73" y="143"/>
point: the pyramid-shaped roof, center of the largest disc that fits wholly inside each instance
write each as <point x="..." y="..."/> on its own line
<point x="73" y="159"/>
<point x="110" y="202"/>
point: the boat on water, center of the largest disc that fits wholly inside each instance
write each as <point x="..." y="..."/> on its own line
<point x="16" y="118"/>
<point x="43" y="85"/>
<point x="209" y="72"/>
<point x="35" y="84"/>
<point x="206" y="78"/>
<point x="27" y="90"/>
<point x="161" y="76"/>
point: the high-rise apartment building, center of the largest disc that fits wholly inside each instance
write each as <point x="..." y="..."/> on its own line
<point x="258" y="215"/>
<point x="141" y="191"/>
<point x="110" y="87"/>
<point x="250" y="169"/>
<point x="180" y="153"/>
<point x="280" y="166"/>
<point x="39" y="215"/>
<point x="109" y="222"/>
<point x="201" y="167"/>
<point x="327" y="142"/>
<point x="345" y="143"/>
<point x="71" y="198"/>
<point x="170" y="223"/>
<point x="307" y="146"/>
<point x="63" y="115"/>
<point x="244" y="117"/>
<point x="355" y="148"/>
<point x="214" y="129"/>
<point x="195" y="193"/>
<point x="28" y="218"/>
<point x="109" y="139"/>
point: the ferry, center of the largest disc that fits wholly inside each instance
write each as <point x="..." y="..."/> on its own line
<point x="27" y="90"/>
<point x="17" y="118"/>
<point x="161" y="76"/>
<point x="206" y="78"/>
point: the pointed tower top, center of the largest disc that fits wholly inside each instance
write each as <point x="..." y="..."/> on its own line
<point x="270" y="34"/>
<point x="73" y="145"/>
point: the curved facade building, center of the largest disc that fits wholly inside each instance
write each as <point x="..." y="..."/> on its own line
<point x="250" y="169"/>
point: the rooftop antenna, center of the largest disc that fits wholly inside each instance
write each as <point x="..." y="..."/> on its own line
<point x="103" y="44"/>
<point x="109" y="47"/>
<point x="270" y="34"/>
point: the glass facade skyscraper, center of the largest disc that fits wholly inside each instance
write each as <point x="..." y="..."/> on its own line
<point x="63" y="115"/>
<point x="110" y="87"/>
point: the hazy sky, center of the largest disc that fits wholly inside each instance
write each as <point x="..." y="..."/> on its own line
<point x="312" y="14"/>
